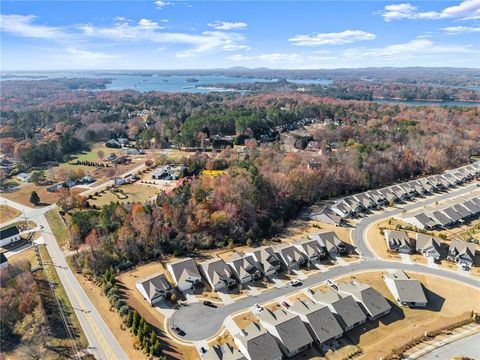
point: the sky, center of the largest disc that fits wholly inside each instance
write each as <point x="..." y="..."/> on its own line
<point x="68" y="35"/>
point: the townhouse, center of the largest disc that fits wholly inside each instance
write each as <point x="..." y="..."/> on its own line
<point x="244" y="267"/>
<point x="462" y="253"/>
<point x="291" y="257"/>
<point x="256" y="343"/>
<point x="428" y="245"/>
<point x="267" y="260"/>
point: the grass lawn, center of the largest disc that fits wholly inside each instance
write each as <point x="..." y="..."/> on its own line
<point x="130" y="193"/>
<point x="58" y="227"/>
<point x="91" y="153"/>
<point x="8" y="213"/>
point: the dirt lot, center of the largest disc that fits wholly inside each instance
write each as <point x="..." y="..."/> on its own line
<point x="8" y="213"/>
<point x="376" y="240"/>
<point x="448" y="302"/>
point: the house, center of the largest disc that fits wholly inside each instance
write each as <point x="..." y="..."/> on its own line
<point x="441" y="219"/>
<point x="223" y="352"/>
<point x="343" y="210"/>
<point x="163" y="173"/>
<point x="24" y="177"/>
<point x="353" y="204"/>
<point x="256" y="343"/>
<point x="9" y="235"/>
<point x="453" y="180"/>
<point x="111" y="157"/>
<point x="399" y="241"/>
<point x="366" y="201"/>
<point x="445" y="183"/>
<point x="388" y="195"/>
<point x="268" y="261"/>
<point x="463" y="211"/>
<point x="327" y="216"/>
<point x="319" y="320"/>
<point x="113" y="143"/>
<point x="348" y="312"/>
<point x="428" y="245"/>
<point x="452" y="214"/>
<point x="312" y="248"/>
<point x="429" y="188"/>
<point x="406" y="291"/>
<point x="436" y="183"/>
<point x="155" y="288"/>
<point x="411" y="192"/>
<point x="3" y="261"/>
<point x="399" y="192"/>
<point x="218" y="274"/>
<point x="419" y="189"/>
<point x="472" y="207"/>
<point x="373" y="304"/>
<point x="291" y="257"/>
<point x="331" y="242"/>
<point x="378" y="198"/>
<point x="185" y="274"/>
<point x="421" y="221"/>
<point x="462" y="253"/>
<point x="245" y="268"/>
<point x="288" y="329"/>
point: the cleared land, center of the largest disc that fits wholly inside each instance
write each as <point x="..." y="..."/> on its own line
<point x="8" y="213"/>
<point x="58" y="227"/>
<point x="125" y="193"/>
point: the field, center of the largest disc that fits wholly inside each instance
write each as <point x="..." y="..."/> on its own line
<point x="8" y="213"/>
<point x="126" y="193"/>
<point x="58" y="227"/>
<point x="22" y="194"/>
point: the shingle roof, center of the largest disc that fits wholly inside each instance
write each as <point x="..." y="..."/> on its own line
<point x="260" y="344"/>
<point x="155" y="285"/>
<point x="425" y="242"/>
<point x="8" y="232"/>
<point x="290" y="254"/>
<point x="310" y="247"/>
<point x="291" y="330"/>
<point x="409" y="290"/>
<point x="373" y="302"/>
<point x="440" y="218"/>
<point x="471" y="206"/>
<point x="452" y="214"/>
<point x="460" y="247"/>
<point x="243" y="265"/>
<point x="398" y="239"/>
<point x="225" y="352"/>
<point x="216" y="269"/>
<point x="329" y="239"/>
<point x="267" y="258"/>
<point x="184" y="269"/>
<point x="462" y="210"/>
<point x="320" y="318"/>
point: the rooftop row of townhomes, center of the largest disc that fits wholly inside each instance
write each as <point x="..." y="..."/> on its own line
<point x="320" y="318"/>
<point x="242" y="268"/>
<point x="351" y="206"/>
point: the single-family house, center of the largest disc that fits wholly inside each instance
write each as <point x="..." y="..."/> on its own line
<point x="453" y="180"/>
<point x="445" y="183"/>
<point x="353" y="204"/>
<point x="328" y="216"/>
<point x="429" y="188"/>
<point x="256" y="343"/>
<point x="343" y="210"/>
<point x="472" y="207"/>
<point x="462" y="253"/>
<point x="399" y="241"/>
<point x="399" y="192"/>
<point x="406" y="291"/>
<point x="330" y="241"/>
<point x="348" y="312"/>
<point x="440" y="219"/>
<point x="428" y="245"/>
<point x="312" y="248"/>
<point x="222" y="352"/>
<point x="319" y="320"/>
<point x="378" y="198"/>
<point x="373" y="304"/>
<point x="463" y="211"/>
<point x="185" y="274"/>
<point x="9" y="235"/>
<point x="268" y="261"/>
<point x="24" y="177"/>
<point x="421" y="221"/>
<point x="288" y="329"/>
<point x="417" y="186"/>
<point x="411" y="192"/>
<point x="389" y="195"/>
<point x="155" y="288"/>
<point x="245" y="268"/>
<point x="291" y="257"/>
<point x="452" y="214"/>
<point x="366" y="201"/>
<point x="218" y="274"/>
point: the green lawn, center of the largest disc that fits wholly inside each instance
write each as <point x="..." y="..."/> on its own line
<point x="58" y="227"/>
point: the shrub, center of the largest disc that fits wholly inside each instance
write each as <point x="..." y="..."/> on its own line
<point x="120" y="303"/>
<point x="107" y="288"/>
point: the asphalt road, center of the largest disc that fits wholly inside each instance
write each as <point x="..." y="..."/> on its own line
<point x="101" y="340"/>
<point x="466" y="347"/>
<point x="200" y="322"/>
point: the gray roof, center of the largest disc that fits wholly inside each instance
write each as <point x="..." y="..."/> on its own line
<point x="243" y="265"/>
<point x="398" y="239"/>
<point x="8" y="232"/>
<point x="409" y="290"/>
<point x="364" y="199"/>
<point x="266" y="258"/>
<point x="320" y="318"/>
<point x="290" y="254"/>
<point x="425" y="242"/>
<point x="440" y="218"/>
<point x="328" y="239"/>
<point x="216" y="269"/>
<point x="476" y="200"/>
<point x="426" y="184"/>
<point x="425" y="220"/>
<point x="345" y="306"/>
<point x="462" y="210"/>
<point x="291" y="329"/>
<point x="184" y="269"/>
<point x="225" y="352"/>
<point x="471" y="206"/>
<point x="327" y="213"/>
<point x="375" y="195"/>
<point x="452" y="214"/>
<point x="260" y="344"/>
<point x="310" y="247"/>
<point x="373" y="302"/>
<point x="388" y="194"/>
<point x="155" y="286"/>
<point x="460" y="247"/>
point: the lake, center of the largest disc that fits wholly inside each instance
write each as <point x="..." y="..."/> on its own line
<point x="428" y="103"/>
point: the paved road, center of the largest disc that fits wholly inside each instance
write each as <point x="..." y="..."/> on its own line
<point x="467" y="347"/>
<point x="101" y="340"/>
<point x="201" y="322"/>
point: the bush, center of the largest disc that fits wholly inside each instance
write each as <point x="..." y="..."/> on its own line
<point x="113" y="299"/>
<point x="120" y="303"/>
<point x="123" y="310"/>
<point x="113" y="291"/>
<point x="107" y="288"/>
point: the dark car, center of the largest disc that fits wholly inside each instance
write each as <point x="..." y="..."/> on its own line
<point x="179" y="331"/>
<point x="287" y="305"/>
<point x="209" y="303"/>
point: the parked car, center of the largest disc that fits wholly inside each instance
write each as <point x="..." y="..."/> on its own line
<point x="295" y="283"/>
<point x="179" y="331"/>
<point x="209" y="303"/>
<point x="332" y="284"/>
<point x="257" y="309"/>
<point x="287" y="305"/>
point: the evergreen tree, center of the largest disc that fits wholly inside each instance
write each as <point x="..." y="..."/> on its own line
<point x="34" y="198"/>
<point x="130" y="319"/>
<point x="158" y="347"/>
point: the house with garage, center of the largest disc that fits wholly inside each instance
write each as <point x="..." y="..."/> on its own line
<point x="222" y="352"/>
<point x="353" y="204"/>
<point x="452" y="214"/>
<point x="9" y="235"/>
<point x="472" y="207"/>
<point x="366" y="201"/>
<point x="218" y="274"/>
<point x="291" y="257"/>
<point x="462" y="253"/>
<point x="463" y="211"/>
<point x="452" y="180"/>
<point x="312" y="248"/>
<point x="420" y="220"/>
<point x="399" y="192"/>
<point x="445" y="183"/>
<point x="256" y="343"/>
<point x="268" y="261"/>
<point x="245" y="268"/>
<point x="343" y="210"/>
<point x="288" y="329"/>
<point x="330" y="241"/>
<point x="185" y="274"/>
<point x="24" y="177"/>
<point x="378" y="198"/>
<point x="428" y="245"/>
<point x="429" y="188"/>
<point x="328" y="216"/>
<point x="347" y="311"/>
<point x="406" y="291"/>
<point x="319" y="320"/>
<point x="419" y="189"/>
<point x="373" y="304"/>
<point x="411" y="192"/>
<point x="442" y="220"/>
<point x="155" y="288"/>
<point x="399" y="241"/>
<point x="389" y="195"/>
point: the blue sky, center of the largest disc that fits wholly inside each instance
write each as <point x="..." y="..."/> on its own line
<point x="51" y="35"/>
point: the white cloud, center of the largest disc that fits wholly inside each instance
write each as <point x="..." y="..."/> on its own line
<point x="338" y="38"/>
<point x="149" y="24"/>
<point x="159" y="4"/>
<point x="225" y="25"/>
<point x="466" y="10"/>
<point x="23" y="25"/>
<point x="455" y="30"/>
<point x="272" y="57"/>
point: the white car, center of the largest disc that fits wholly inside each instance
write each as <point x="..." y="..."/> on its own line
<point x="257" y="309"/>
<point x="295" y="283"/>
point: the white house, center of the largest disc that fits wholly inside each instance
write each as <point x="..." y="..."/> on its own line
<point x="9" y="235"/>
<point x="24" y="177"/>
